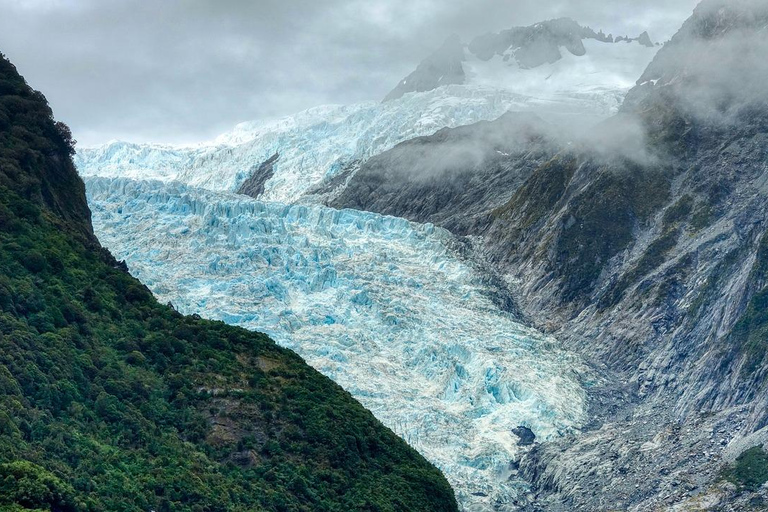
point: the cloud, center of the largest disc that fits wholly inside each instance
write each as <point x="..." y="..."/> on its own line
<point x="715" y="67"/>
<point x="180" y="71"/>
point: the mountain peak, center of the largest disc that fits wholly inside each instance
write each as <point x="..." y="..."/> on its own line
<point x="441" y="68"/>
<point x="715" y="63"/>
<point x="522" y="48"/>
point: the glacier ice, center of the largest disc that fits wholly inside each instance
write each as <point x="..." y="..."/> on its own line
<point x="318" y="143"/>
<point x="383" y="306"/>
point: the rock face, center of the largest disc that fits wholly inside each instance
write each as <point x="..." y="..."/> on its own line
<point x="441" y="68"/>
<point x="645" y="248"/>
<point x="253" y="186"/>
<point x="526" y="435"/>
<point x="645" y="40"/>
<point x="535" y="45"/>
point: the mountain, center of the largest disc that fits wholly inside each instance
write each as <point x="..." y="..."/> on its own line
<point x="112" y="401"/>
<point x="642" y="247"/>
<point x="635" y="247"/>
<point x="325" y="145"/>
<point x="509" y="59"/>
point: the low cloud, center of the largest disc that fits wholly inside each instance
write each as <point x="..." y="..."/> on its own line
<point x="180" y="71"/>
<point x="716" y="67"/>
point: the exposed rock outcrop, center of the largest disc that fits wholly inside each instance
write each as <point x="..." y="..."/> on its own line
<point x="253" y="186"/>
<point x="643" y="246"/>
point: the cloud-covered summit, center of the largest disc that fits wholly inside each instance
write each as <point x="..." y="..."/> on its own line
<point x="525" y="47"/>
<point x="182" y="71"/>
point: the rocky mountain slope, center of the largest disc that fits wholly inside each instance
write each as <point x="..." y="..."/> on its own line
<point x="643" y="247"/>
<point x="112" y="401"/>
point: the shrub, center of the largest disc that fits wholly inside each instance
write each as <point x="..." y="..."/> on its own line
<point x="750" y="471"/>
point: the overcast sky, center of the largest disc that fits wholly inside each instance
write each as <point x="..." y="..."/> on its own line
<point x="188" y="70"/>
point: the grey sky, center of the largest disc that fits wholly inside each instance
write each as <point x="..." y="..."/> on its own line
<point x="187" y="70"/>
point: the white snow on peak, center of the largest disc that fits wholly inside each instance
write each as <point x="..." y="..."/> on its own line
<point x="318" y="143"/>
<point x="604" y="68"/>
<point x="381" y="305"/>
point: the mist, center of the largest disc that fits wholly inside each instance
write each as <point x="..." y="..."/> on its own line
<point x="185" y="71"/>
<point x="712" y="71"/>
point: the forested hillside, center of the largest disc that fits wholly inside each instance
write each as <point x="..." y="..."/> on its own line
<point x="112" y="401"/>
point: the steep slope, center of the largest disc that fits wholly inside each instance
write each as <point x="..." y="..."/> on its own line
<point x="111" y="401"/>
<point x="444" y="67"/>
<point x="643" y="247"/>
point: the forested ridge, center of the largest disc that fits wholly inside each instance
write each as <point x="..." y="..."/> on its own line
<point x="112" y="401"/>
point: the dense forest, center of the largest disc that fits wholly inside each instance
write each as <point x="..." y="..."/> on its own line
<point x="112" y="401"/>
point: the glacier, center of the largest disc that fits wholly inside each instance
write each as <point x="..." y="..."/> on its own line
<point x="383" y="306"/>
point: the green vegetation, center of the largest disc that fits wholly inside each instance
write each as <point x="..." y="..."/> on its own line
<point x="671" y="285"/>
<point x="750" y="333"/>
<point x="702" y="217"/>
<point x="111" y="401"/>
<point x="539" y="195"/>
<point x="654" y="255"/>
<point x="708" y="291"/>
<point x="750" y="471"/>
<point x="601" y="224"/>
